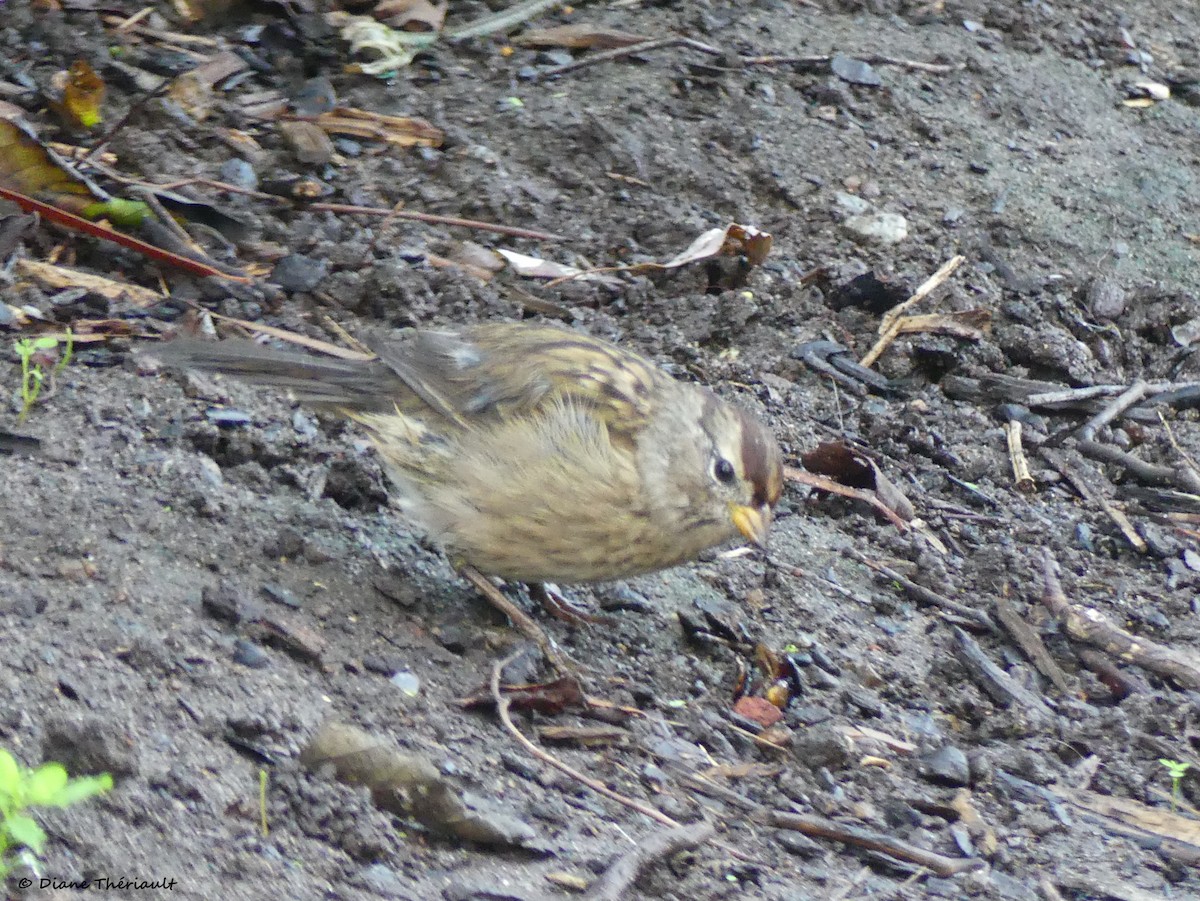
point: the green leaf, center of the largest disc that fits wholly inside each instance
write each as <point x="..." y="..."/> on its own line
<point x="10" y="774"/>
<point x="81" y="789"/>
<point x="27" y="832"/>
<point x="46" y="342"/>
<point x="46" y="783"/>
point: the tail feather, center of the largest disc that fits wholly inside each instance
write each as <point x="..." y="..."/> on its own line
<point x="359" y="385"/>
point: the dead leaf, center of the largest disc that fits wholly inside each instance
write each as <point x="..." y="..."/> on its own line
<point x="580" y="36"/>
<point x="83" y="94"/>
<point x="733" y="239"/>
<point x="549" y="698"/>
<point x="758" y="710"/>
<point x="58" y="277"/>
<point x="849" y="467"/>
<point x="401" y="131"/>
<point x="535" y="267"/>
<point x="412" y="15"/>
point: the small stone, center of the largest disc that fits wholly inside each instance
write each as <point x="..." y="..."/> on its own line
<point x="823" y="746"/>
<point x="408" y="683"/>
<point x="878" y="228"/>
<point x="240" y="173"/>
<point x="296" y="272"/>
<point x="287" y="543"/>
<point x="851" y="203"/>
<point x="946" y="766"/>
<point x="381" y="666"/>
<point x="248" y="654"/>
<point x="226" y="601"/>
<point x="226" y="418"/>
<point x="280" y="595"/>
<point x="854" y="71"/>
<point x="800" y="845"/>
<point x="1105" y="298"/>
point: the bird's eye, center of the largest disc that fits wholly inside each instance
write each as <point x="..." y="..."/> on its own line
<point x="723" y="470"/>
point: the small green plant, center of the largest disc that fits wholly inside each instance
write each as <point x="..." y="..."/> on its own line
<point x="21" y="790"/>
<point x="40" y="362"/>
<point x="1176" y="769"/>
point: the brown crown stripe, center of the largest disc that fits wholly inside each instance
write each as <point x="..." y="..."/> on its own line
<point x="760" y="462"/>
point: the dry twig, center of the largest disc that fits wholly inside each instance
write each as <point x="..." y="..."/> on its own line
<point x="619" y="878"/>
<point x="1091" y="626"/>
<point x="890" y="327"/>
<point x="819" y="827"/>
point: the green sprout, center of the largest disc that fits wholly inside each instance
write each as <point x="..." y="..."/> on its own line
<point x="1176" y="770"/>
<point x="21" y="789"/>
<point x="38" y="366"/>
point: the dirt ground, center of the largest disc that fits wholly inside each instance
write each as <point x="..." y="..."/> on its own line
<point x="197" y="575"/>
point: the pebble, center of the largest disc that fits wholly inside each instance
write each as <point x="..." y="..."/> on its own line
<point x="851" y="203"/>
<point x="280" y="595"/>
<point x="296" y="272"/>
<point x="226" y="418"/>
<point x="408" y="683"/>
<point x="946" y="766"/>
<point x="240" y="173"/>
<point x="878" y="228"/>
<point x="1105" y="298"/>
<point x="854" y="71"/>
<point x="248" y="654"/>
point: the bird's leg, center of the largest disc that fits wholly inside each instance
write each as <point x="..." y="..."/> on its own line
<point x="519" y="618"/>
<point x="562" y="607"/>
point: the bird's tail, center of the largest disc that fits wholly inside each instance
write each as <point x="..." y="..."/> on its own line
<point x="324" y="382"/>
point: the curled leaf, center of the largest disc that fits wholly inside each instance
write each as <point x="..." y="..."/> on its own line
<point x="83" y="94"/>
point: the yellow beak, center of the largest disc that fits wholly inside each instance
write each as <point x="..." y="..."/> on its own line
<point x="753" y="522"/>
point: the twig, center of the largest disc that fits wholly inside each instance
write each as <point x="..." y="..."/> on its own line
<point x="502" y="705"/>
<point x="1090" y="494"/>
<point x="505" y="20"/>
<point x="1031" y="645"/>
<point x="1016" y="454"/>
<point x="619" y="878"/>
<point x="873" y="841"/>
<point x="999" y="685"/>
<point x="1128" y="398"/>
<point x="889" y="326"/>
<point x="519" y="618"/>
<point x="1089" y="625"/>
<point x="821" y="483"/>
<point x="873" y="58"/>
<point x="925" y="595"/>
<point x="1149" y="473"/>
<point x="632" y="50"/>
<point x="494" y="227"/>
<point x="1116" y="680"/>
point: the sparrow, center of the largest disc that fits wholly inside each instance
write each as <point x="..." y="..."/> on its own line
<point x="534" y="453"/>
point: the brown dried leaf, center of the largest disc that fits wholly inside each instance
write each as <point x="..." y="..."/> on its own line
<point x="58" y="277"/>
<point x="581" y="36"/>
<point x="758" y="710"/>
<point x="399" y="130"/>
<point x="411" y="15"/>
<point x="83" y="94"/>
<point x="588" y="736"/>
<point x="733" y="239"/>
<point x="549" y="698"/>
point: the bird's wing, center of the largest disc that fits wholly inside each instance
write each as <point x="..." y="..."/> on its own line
<point x="499" y="371"/>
